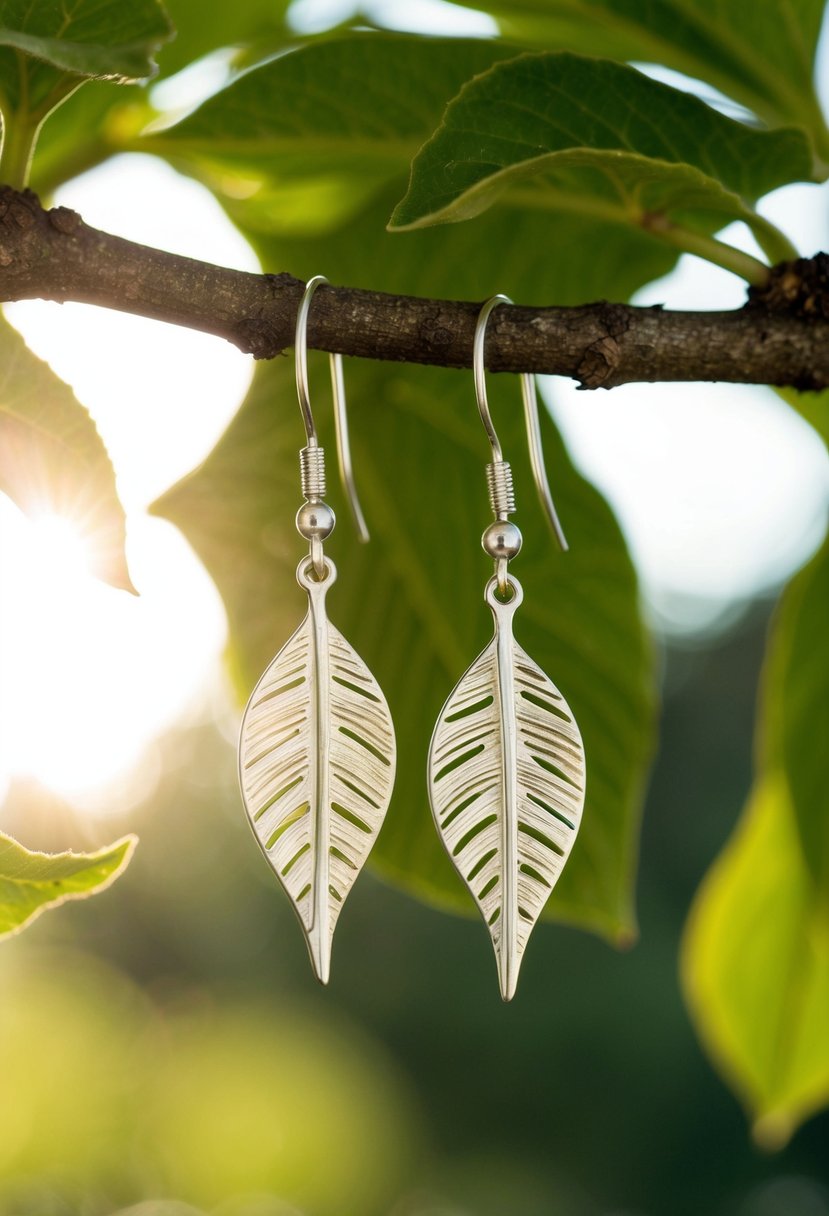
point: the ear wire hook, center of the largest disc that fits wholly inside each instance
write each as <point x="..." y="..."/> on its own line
<point x="498" y="473"/>
<point x="314" y="449"/>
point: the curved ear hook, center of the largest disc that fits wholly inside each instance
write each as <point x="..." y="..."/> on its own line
<point x="530" y="399"/>
<point x="338" y="392"/>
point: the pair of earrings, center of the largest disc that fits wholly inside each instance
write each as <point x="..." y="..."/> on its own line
<point x="317" y="749"/>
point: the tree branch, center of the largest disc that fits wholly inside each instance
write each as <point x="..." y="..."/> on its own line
<point x="780" y="337"/>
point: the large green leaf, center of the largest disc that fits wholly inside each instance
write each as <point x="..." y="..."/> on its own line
<point x="794" y="724"/>
<point x="100" y="121"/>
<point x="756" y="967"/>
<point x="43" y="42"/>
<point x="52" y="459"/>
<point x="568" y="133"/>
<point x="762" y="55"/>
<point x="99" y="38"/>
<point x="32" y="882"/>
<point x="49" y="48"/>
<point x="305" y="138"/>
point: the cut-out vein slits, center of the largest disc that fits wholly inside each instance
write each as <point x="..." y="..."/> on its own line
<point x="317" y="761"/>
<point x="507" y="808"/>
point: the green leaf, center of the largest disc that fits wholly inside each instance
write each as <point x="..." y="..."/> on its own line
<point x="755" y="967"/>
<point x="32" y="882"/>
<point x="794" y="724"/>
<point x="565" y="133"/>
<point x="98" y="122"/>
<point x="52" y="459"/>
<point x="48" y="49"/>
<point x="332" y="160"/>
<point x="763" y="58"/>
<point x="318" y="131"/>
<point x="104" y="39"/>
<point x="756" y="952"/>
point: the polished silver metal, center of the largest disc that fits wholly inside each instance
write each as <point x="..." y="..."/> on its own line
<point x="317" y="749"/>
<point x="316" y="766"/>
<point x="501" y="490"/>
<point x="506" y="783"/>
<point x="315" y="520"/>
<point x="340" y="415"/>
<point x="502" y="539"/>
<point x="479" y="373"/>
<point x="506" y="762"/>
<point x="530" y="401"/>
<point x="312" y="473"/>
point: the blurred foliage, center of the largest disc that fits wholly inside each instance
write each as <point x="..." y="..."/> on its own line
<point x="309" y="153"/>
<point x="247" y="1097"/>
<point x="756" y="957"/>
<point x="794" y="715"/>
<point x="588" y="1096"/>
<point x="761" y="995"/>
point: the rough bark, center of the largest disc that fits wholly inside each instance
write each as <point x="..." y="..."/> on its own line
<point x="780" y="337"/>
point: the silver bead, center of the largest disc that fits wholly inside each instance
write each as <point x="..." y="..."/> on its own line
<point x="315" y="520"/>
<point x="502" y="539"/>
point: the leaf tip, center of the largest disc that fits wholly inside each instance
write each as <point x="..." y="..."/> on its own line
<point x="404" y="219"/>
<point x="129" y="843"/>
<point x="120" y="852"/>
<point x="118" y="576"/>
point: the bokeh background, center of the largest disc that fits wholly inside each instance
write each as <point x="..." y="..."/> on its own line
<point x="164" y="1048"/>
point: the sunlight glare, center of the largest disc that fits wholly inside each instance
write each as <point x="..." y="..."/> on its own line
<point x="91" y="674"/>
<point x="56" y="545"/>
<point x="722" y="490"/>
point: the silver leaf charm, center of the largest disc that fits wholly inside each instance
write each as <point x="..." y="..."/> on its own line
<point x="316" y="765"/>
<point x="506" y="782"/>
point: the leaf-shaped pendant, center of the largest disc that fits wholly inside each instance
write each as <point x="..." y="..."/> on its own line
<point x="506" y="782"/>
<point x="316" y="766"/>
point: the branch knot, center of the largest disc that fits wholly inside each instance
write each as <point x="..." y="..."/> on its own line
<point x="797" y="289"/>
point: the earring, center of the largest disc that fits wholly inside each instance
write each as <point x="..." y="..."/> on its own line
<point x="506" y="761"/>
<point x="317" y="747"/>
